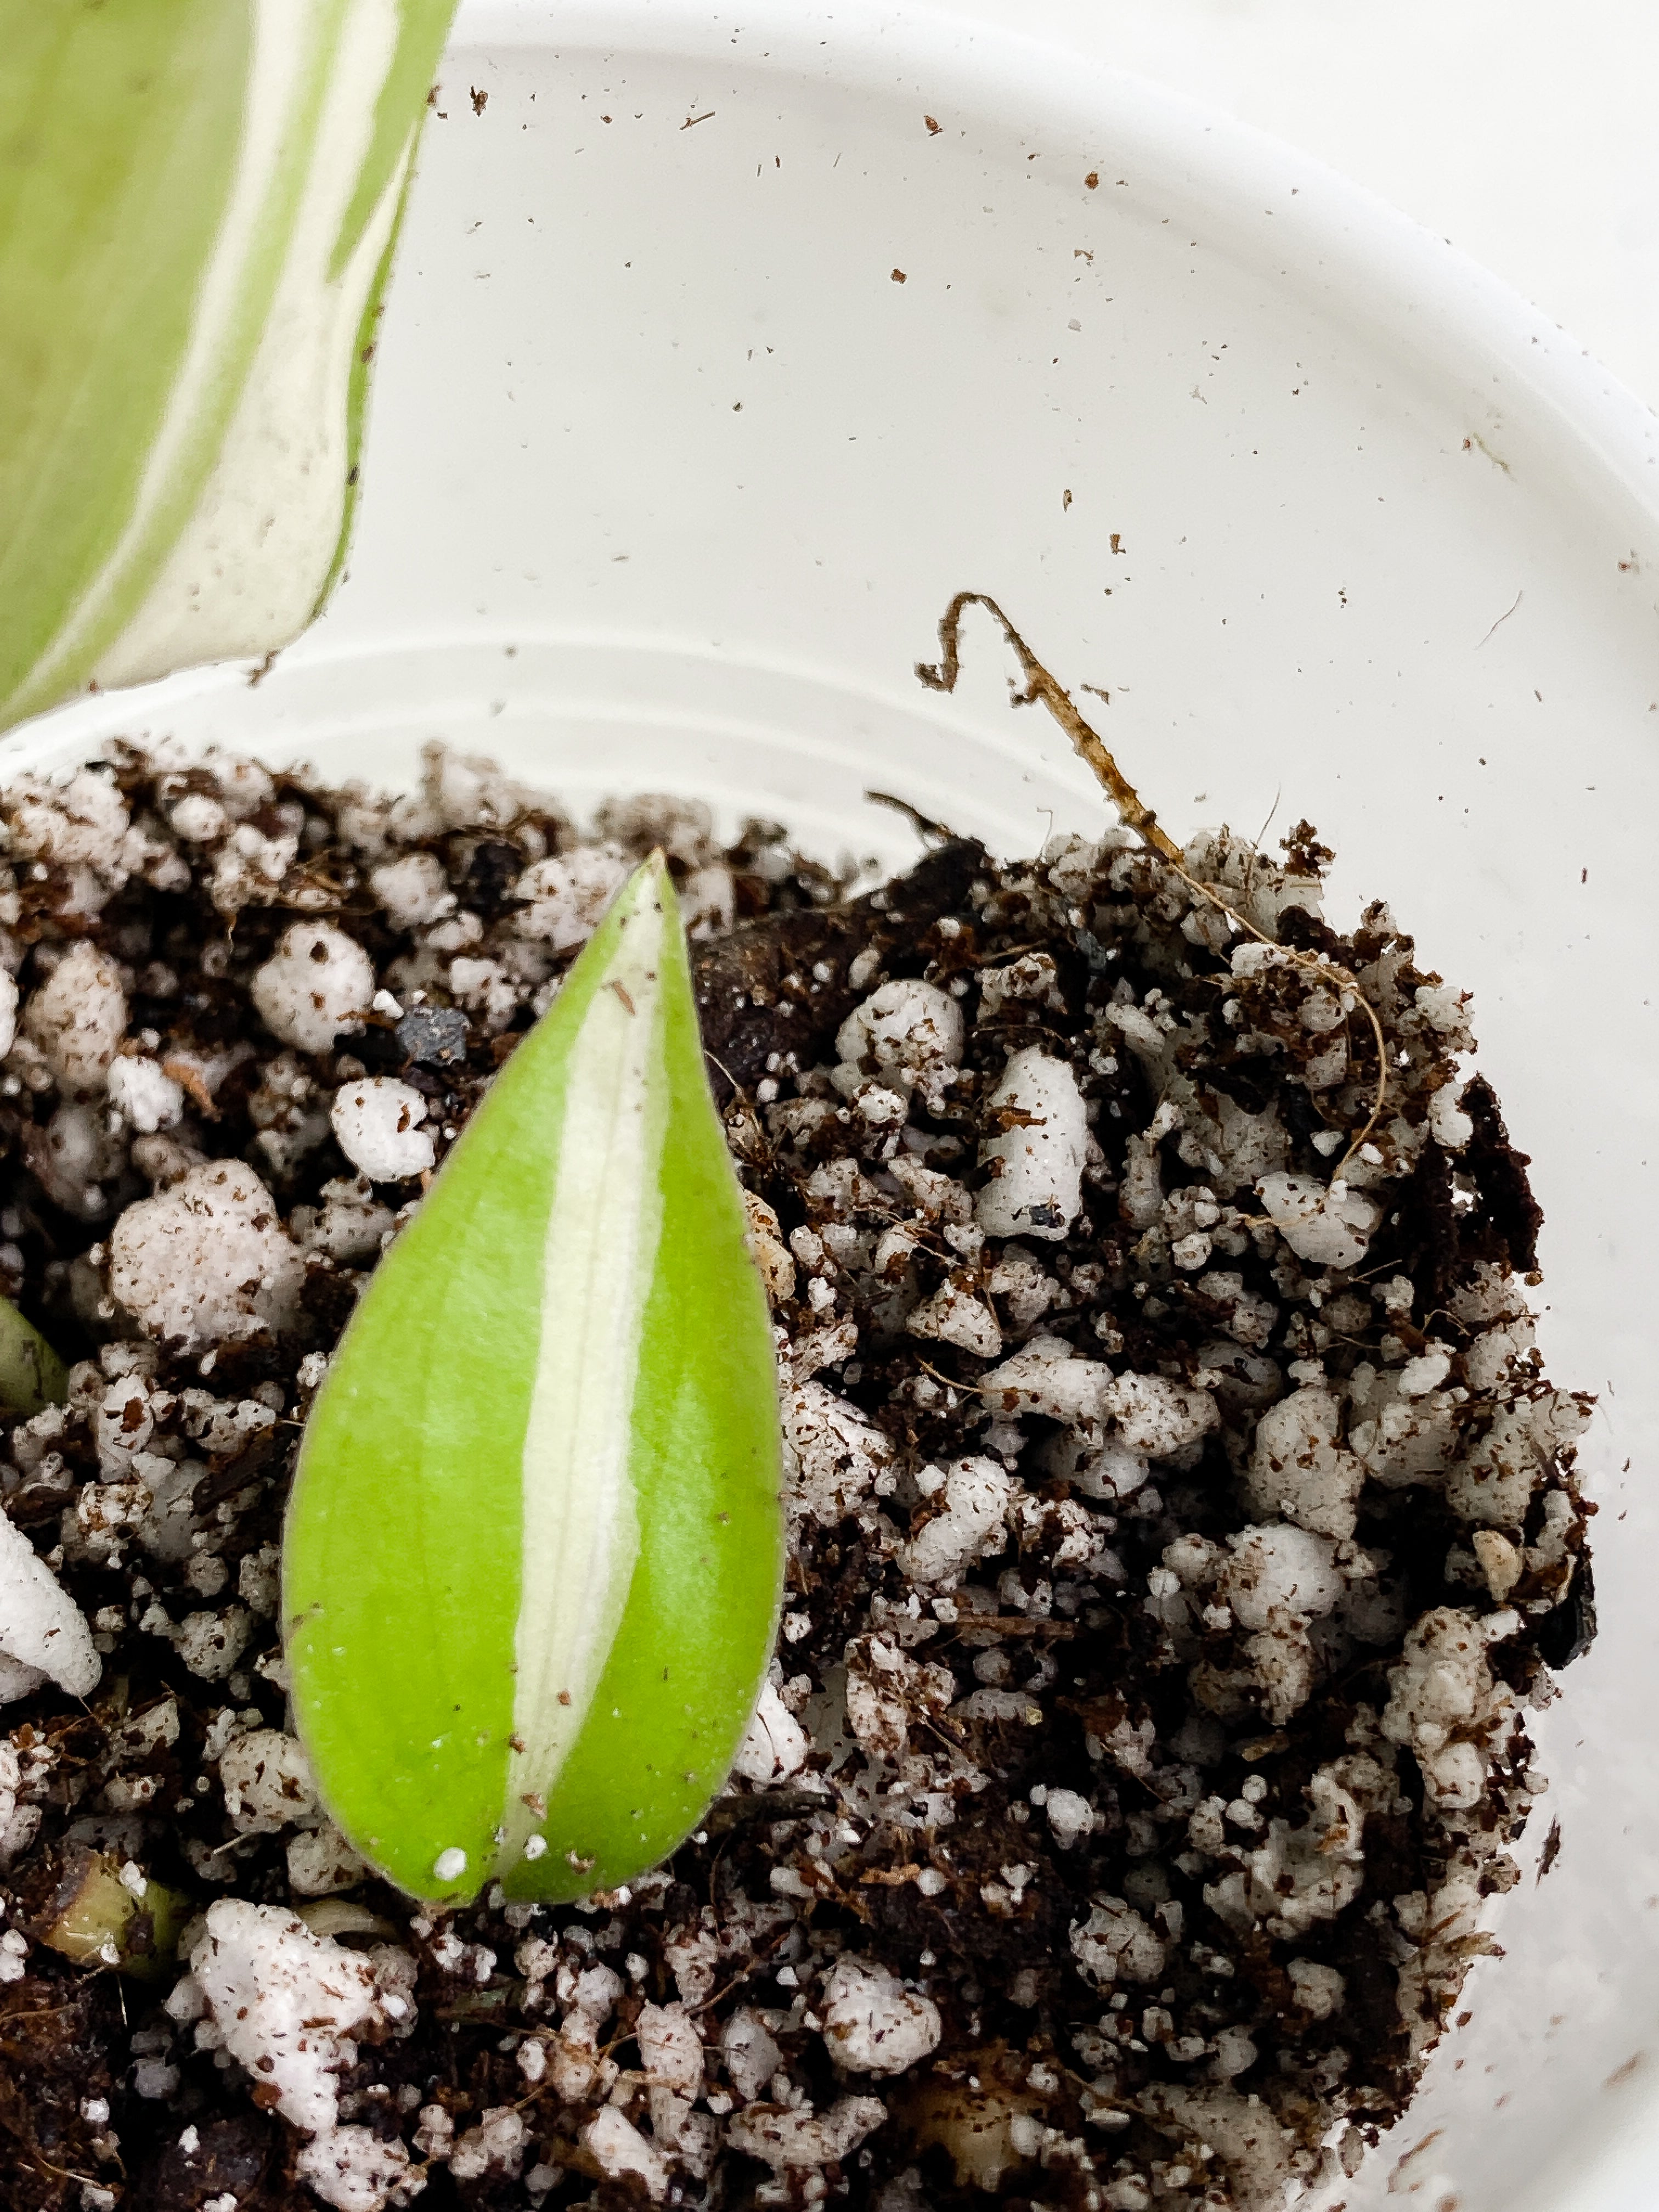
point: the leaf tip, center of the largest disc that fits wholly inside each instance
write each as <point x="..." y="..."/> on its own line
<point x="654" y="874"/>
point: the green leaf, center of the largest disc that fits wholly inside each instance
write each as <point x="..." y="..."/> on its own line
<point x="198" y="199"/>
<point x="32" y="1376"/>
<point x="107" y="222"/>
<point x="534" y="1552"/>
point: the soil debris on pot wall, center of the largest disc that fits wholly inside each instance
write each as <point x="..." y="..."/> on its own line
<point x="1180" y="1520"/>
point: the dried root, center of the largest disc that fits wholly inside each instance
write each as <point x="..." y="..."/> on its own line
<point x="1046" y="690"/>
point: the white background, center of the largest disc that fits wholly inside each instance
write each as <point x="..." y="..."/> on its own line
<point x="1527" y="132"/>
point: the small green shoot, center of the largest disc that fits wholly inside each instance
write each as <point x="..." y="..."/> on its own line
<point x="101" y="1916"/>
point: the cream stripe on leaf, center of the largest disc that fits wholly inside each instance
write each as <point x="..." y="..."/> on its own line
<point x="581" y="1524"/>
<point x="534" y="1551"/>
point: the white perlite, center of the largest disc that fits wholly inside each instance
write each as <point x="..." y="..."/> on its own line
<point x="1443" y="1693"/>
<point x="834" y="1460"/>
<point x="317" y="982"/>
<point x="376" y="1123"/>
<point x="1320" y="1989"/>
<point x="208" y="1261"/>
<point x="973" y="1497"/>
<point x="575" y="2065"/>
<point x="767" y="1249"/>
<point x="775" y="1746"/>
<point x="956" y="1315"/>
<point x="497" y="2144"/>
<point x="752" y="2053"/>
<point x="17" y="1681"/>
<point x="351" y="1225"/>
<point x="1114" y="1944"/>
<point x="1153" y="1417"/>
<point x="41" y="1627"/>
<point x="885" y="1690"/>
<point x="320" y="1861"/>
<point x="1045" y="1377"/>
<point x="620" y="2148"/>
<point x="82" y="826"/>
<point x="1449" y="1125"/>
<point x="802" y="2139"/>
<point x="1327" y="1226"/>
<point x="435" y="2136"/>
<point x="670" y="2051"/>
<point x="1035" y="1187"/>
<point x="18" y="1825"/>
<point x="197" y="819"/>
<point x="284" y="2003"/>
<point x="413" y="890"/>
<point x="351" y="2169"/>
<point x="908" y="1035"/>
<point x="569" y="896"/>
<point x="1277" y="1568"/>
<point x="210" y="1644"/>
<point x="1069" y="1817"/>
<point x="1303" y="1875"/>
<point x="1298" y="1467"/>
<point x="266" y="1779"/>
<point x="142" y="1093"/>
<point x="871" y="2023"/>
<point x="77" y="1018"/>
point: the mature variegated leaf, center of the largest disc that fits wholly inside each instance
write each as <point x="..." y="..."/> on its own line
<point x="534" y="1552"/>
<point x="197" y="200"/>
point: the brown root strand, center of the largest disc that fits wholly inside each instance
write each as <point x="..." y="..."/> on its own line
<point x="1042" y="687"/>
<point x="1039" y="685"/>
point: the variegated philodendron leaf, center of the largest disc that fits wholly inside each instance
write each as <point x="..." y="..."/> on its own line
<point x="198" y="205"/>
<point x="534" y="1552"/>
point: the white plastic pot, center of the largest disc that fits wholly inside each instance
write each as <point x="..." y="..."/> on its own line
<point x="713" y="366"/>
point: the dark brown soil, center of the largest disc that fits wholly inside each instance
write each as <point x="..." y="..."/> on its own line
<point x="1074" y="1660"/>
